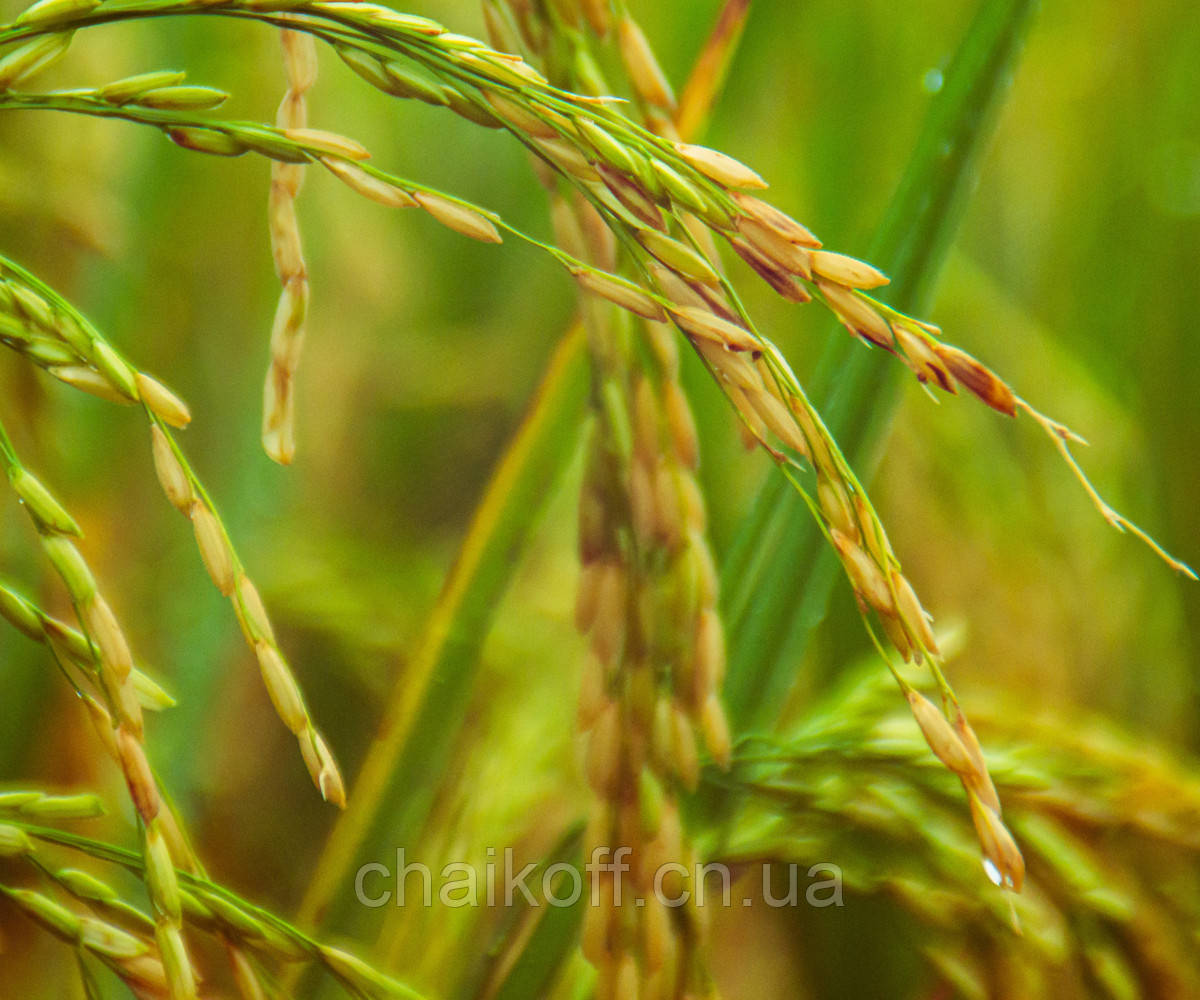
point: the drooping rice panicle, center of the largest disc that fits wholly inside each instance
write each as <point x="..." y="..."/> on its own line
<point x="691" y="178"/>
<point x="647" y="603"/>
<point x="44" y="318"/>
<point x="119" y="719"/>
<point x="777" y="247"/>
<point x="287" y="333"/>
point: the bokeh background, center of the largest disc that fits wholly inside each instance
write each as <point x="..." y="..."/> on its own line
<point x="1074" y="275"/>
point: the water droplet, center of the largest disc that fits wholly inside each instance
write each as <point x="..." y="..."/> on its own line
<point x="992" y="872"/>
<point x="933" y="81"/>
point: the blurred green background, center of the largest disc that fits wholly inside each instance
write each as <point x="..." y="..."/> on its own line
<point x="1074" y="276"/>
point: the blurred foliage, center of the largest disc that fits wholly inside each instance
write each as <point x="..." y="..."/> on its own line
<point x="1074" y="276"/>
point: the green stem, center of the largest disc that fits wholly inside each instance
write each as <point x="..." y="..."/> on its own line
<point x="394" y="790"/>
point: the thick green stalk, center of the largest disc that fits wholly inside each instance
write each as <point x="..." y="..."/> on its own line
<point x="393" y="792"/>
<point x="779" y="573"/>
<point x="523" y="962"/>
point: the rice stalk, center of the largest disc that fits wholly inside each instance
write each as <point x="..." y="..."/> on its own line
<point x="646" y="602"/>
<point x="118" y="721"/>
<point x="664" y="202"/>
<point x="692" y="184"/>
<point x="46" y="318"/>
<point x="776" y="247"/>
<point x="255" y="934"/>
<point x="287" y="334"/>
<point x="466" y="61"/>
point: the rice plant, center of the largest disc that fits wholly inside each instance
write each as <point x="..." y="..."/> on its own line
<point x="675" y="537"/>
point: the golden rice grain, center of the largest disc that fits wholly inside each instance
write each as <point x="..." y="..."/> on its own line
<point x="847" y="271"/>
<point x="214" y="548"/>
<point x="171" y="475"/>
<point x="162" y="401"/>
<point x="368" y="185"/>
<point x="721" y="168"/>
<point x="461" y="218"/>
<point x="143" y="789"/>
